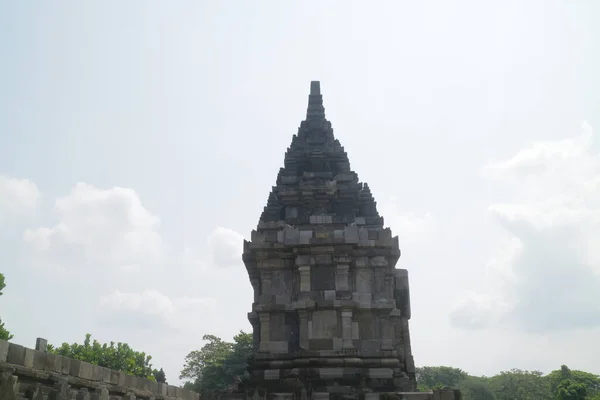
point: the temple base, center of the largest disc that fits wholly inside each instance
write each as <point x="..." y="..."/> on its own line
<point x="340" y="393"/>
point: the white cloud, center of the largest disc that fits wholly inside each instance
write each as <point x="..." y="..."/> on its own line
<point x="153" y="309"/>
<point x="403" y="223"/>
<point x="225" y="247"/>
<point x="17" y="196"/>
<point x="106" y="227"/>
<point x="551" y="281"/>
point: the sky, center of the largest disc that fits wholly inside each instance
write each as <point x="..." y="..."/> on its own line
<point x="139" y="141"/>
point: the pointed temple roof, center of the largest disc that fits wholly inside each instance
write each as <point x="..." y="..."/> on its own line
<point x="316" y="179"/>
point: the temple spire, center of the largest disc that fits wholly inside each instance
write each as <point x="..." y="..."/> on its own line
<point x="315" y="111"/>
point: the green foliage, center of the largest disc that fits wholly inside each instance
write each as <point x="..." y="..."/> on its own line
<point x="119" y="357"/>
<point x="160" y="376"/>
<point x="439" y="377"/>
<point x="516" y="384"/>
<point x="4" y="333"/>
<point x="571" y="390"/>
<point x="218" y="364"/>
<point x="476" y="388"/>
<point x="590" y="381"/>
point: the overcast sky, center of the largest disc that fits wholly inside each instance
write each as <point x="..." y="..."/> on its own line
<point x="139" y="141"/>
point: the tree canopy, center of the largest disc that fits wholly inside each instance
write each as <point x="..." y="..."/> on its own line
<point x="516" y="384"/>
<point x="119" y="356"/>
<point x="4" y="333"/>
<point x="218" y="364"/>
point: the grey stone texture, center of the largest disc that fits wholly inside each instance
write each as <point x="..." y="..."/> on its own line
<point x="330" y="312"/>
<point x="38" y="375"/>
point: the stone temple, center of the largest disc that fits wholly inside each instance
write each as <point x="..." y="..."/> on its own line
<point x="330" y="312"/>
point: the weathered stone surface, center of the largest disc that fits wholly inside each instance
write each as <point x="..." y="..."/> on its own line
<point x="73" y="379"/>
<point x="330" y="309"/>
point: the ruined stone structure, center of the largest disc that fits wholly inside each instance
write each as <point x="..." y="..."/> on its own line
<point x="39" y="375"/>
<point x="330" y="312"/>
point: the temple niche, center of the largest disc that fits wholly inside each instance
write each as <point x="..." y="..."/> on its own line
<point x="330" y="312"/>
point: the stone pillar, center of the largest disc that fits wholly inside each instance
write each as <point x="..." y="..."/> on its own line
<point x="265" y="283"/>
<point x="41" y="344"/>
<point x="389" y="286"/>
<point x="265" y="328"/>
<point x="304" y="278"/>
<point x="379" y="284"/>
<point x="341" y="277"/>
<point x="347" y="329"/>
<point x="303" y="317"/>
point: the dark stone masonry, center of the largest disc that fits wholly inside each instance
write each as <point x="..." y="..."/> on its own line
<point x="38" y="375"/>
<point x="330" y="312"/>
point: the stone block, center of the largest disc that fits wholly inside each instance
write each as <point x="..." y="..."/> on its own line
<point x="351" y="234"/>
<point x="303" y="260"/>
<point x="41" y="344"/>
<point x="324" y="324"/>
<point x="39" y="360"/>
<point x="281" y="396"/>
<point x="28" y="358"/>
<point x="106" y="375"/>
<point x="279" y="346"/>
<point x="329" y="294"/>
<point x="321" y="344"/>
<point x="341" y="277"/>
<point x="16" y="354"/>
<point x="272" y="374"/>
<point x="97" y="373"/>
<point x="101" y="394"/>
<point x="331" y="373"/>
<point x="363" y="300"/>
<point x="364" y="280"/>
<point x="355" y="331"/>
<point x="115" y="377"/>
<point x="370" y="347"/>
<point x="3" y="350"/>
<point x="322" y="277"/>
<point x="320" y="396"/>
<point x="162" y="389"/>
<point x="338" y="344"/>
<point x="380" y="373"/>
<point x="81" y="369"/>
<point x="65" y="365"/>
<point x="378" y="261"/>
<point x="53" y="363"/>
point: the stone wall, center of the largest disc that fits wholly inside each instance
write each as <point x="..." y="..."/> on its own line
<point x="38" y="375"/>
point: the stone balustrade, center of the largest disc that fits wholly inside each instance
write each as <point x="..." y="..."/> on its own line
<point x="38" y="375"/>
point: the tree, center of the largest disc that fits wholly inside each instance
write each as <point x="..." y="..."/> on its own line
<point x="4" y="333"/>
<point x="439" y="377"/>
<point x="590" y="381"/>
<point x="160" y="376"/>
<point x="218" y="364"/>
<point x="476" y="388"/>
<point x="571" y="390"/>
<point x="521" y="385"/>
<point x="119" y="357"/>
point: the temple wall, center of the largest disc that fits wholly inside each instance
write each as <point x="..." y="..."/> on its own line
<point x="38" y="375"/>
